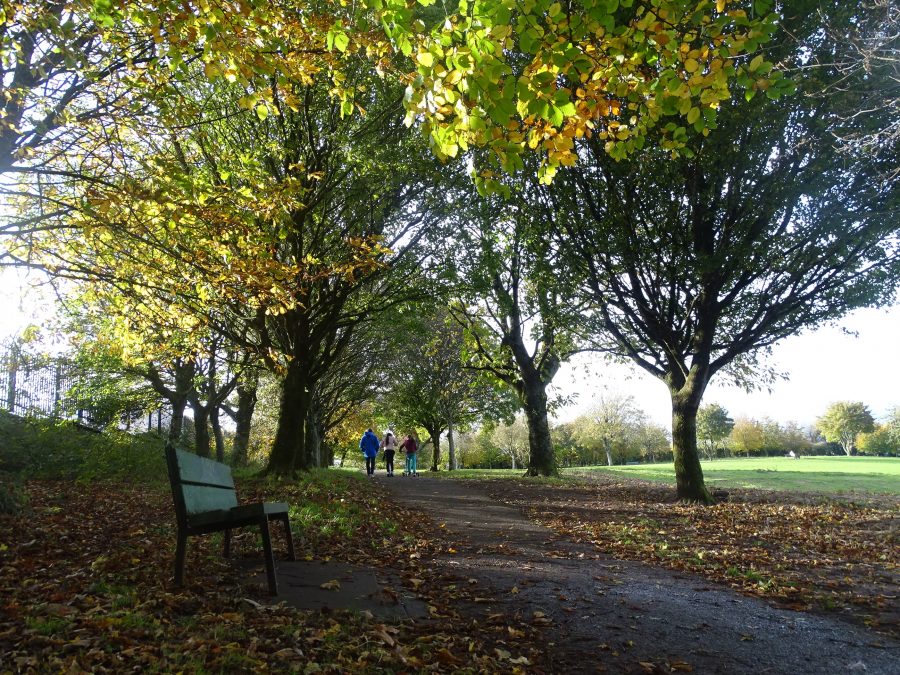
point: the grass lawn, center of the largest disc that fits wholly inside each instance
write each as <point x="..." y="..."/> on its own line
<point x="876" y="475"/>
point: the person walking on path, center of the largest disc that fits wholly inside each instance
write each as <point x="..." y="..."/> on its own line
<point x="389" y="445"/>
<point x="369" y="446"/>
<point x="410" y="448"/>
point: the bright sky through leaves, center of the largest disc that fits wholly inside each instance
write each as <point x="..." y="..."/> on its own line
<point x="860" y="368"/>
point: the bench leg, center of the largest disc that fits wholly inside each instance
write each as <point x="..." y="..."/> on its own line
<point x="227" y="551"/>
<point x="270" y="558"/>
<point x="180" y="548"/>
<point x="290" y="537"/>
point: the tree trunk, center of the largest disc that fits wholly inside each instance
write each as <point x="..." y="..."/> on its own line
<point x="452" y="448"/>
<point x="327" y="451"/>
<point x="201" y="430"/>
<point x="541" y="459"/>
<point x="607" y="448"/>
<point x="288" y="447"/>
<point x="688" y="472"/>
<point x="313" y="449"/>
<point x="177" y="423"/>
<point x="243" y="420"/>
<point x="435" y="434"/>
<point x="177" y="396"/>
<point x="217" y="434"/>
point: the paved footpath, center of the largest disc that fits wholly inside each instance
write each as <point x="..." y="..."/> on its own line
<point x="610" y="614"/>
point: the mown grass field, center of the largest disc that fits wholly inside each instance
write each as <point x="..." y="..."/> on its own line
<point x="829" y="475"/>
<point x="836" y="475"/>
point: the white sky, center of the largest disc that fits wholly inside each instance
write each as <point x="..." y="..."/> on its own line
<point x="824" y="366"/>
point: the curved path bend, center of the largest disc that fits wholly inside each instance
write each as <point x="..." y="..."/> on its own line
<point x="620" y="616"/>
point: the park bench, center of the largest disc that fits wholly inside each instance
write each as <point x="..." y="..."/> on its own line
<point x="206" y="501"/>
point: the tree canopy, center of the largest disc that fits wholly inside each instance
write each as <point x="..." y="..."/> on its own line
<point x="246" y="185"/>
<point x="844" y="421"/>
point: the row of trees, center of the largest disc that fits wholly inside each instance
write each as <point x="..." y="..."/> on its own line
<point x="617" y="431"/>
<point x="224" y="204"/>
<point x="846" y="425"/>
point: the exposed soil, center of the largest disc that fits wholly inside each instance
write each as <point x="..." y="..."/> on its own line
<point x="598" y="613"/>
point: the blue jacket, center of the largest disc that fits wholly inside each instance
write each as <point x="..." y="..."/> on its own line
<point x="369" y="444"/>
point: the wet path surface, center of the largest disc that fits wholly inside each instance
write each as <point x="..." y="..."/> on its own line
<point x="620" y="616"/>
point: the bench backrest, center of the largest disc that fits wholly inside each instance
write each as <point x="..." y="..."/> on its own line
<point x="198" y="484"/>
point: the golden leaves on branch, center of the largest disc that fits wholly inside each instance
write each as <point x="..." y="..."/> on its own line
<point x="597" y="71"/>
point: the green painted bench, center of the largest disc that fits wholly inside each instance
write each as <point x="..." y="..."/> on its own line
<point x="206" y="501"/>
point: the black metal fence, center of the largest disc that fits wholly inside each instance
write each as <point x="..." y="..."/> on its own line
<point x="42" y="386"/>
<point x="34" y="385"/>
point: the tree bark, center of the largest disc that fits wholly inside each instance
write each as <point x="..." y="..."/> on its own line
<point x="243" y="419"/>
<point x="177" y="423"/>
<point x="452" y="448"/>
<point x="217" y="434"/>
<point x="541" y="458"/>
<point x="178" y="397"/>
<point x="688" y="472"/>
<point x="201" y="430"/>
<point x="607" y="448"/>
<point x="313" y="445"/>
<point x="288" y="449"/>
<point x="435" y="434"/>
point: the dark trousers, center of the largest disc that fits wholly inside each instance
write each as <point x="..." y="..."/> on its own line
<point x="389" y="460"/>
<point x="370" y="465"/>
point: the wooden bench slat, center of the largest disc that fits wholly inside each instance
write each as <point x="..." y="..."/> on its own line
<point x="199" y="498"/>
<point x="239" y="515"/>
<point x="195" y="469"/>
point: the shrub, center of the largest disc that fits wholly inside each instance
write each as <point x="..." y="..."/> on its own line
<point x="13" y="499"/>
<point x="43" y="448"/>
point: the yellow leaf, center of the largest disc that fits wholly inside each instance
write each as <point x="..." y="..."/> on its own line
<point x="333" y="585"/>
<point x="691" y="65"/>
<point x="387" y="639"/>
<point x="693" y="115"/>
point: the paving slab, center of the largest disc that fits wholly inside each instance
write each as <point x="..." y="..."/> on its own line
<point x="334" y="585"/>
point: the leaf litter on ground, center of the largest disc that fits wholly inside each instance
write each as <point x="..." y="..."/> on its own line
<point x="86" y="585"/>
<point x="809" y="553"/>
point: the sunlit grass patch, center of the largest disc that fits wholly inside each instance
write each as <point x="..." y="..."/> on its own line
<point x="835" y="475"/>
<point x="496" y="474"/>
<point x="51" y="626"/>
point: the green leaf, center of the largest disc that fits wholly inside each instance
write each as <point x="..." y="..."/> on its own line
<point x="341" y="41"/>
<point x="556" y="116"/>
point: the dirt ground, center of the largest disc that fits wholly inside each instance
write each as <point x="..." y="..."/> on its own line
<point x="602" y="614"/>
